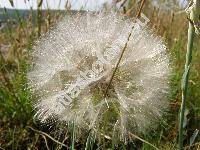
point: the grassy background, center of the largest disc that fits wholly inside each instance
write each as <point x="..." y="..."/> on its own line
<point x="18" y="130"/>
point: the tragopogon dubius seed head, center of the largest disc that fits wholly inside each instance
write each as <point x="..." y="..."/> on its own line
<point x="72" y="69"/>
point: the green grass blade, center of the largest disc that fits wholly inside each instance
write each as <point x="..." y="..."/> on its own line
<point x="185" y="79"/>
<point x="72" y="137"/>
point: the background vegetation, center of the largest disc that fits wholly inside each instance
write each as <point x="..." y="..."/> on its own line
<point x="18" y="129"/>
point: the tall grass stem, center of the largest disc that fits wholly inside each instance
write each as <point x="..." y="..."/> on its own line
<point x="191" y="32"/>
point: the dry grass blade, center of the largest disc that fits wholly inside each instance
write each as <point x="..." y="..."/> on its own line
<point x="65" y="138"/>
<point x="137" y="137"/>
<point x="140" y="9"/>
<point x="2" y="148"/>
<point x="46" y="142"/>
<point x="45" y="134"/>
<point x="11" y="3"/>
<point x="39" y="3"/>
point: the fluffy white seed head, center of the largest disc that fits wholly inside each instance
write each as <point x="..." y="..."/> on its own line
<point x="73" y="65"/>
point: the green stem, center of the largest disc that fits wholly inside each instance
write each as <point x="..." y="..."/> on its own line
<point x="185" y="79"/>
<point x="72" y="136"/>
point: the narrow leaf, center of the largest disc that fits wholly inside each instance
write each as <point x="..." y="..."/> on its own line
<point x="193" y="137"/>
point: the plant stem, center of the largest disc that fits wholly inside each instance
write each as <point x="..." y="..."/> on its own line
<point x="185" y="79"/>
<point x="123" y="50"/>
<point x="72" y="136"/>
<point x="140" y="9"/>
<point x="39" y="16"/>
